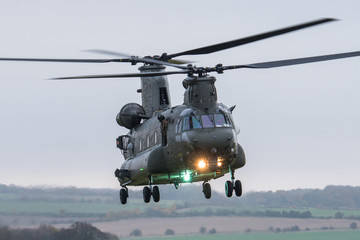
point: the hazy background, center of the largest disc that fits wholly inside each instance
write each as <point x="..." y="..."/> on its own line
<point x="300" y="125"/>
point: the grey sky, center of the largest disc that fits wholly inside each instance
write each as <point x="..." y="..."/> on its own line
<point x="300" y="125"/>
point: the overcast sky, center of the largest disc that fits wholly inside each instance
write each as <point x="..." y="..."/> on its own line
<point x="300" y="125"/>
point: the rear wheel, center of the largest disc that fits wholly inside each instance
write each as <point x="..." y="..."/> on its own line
<point x="146" y="194"/>
<point x="238" y="188"/>
<point x="228" y="188"/>
<point x="156" y="194"/>
<point x="123" y="196"/>
<point x="207" y="190"/>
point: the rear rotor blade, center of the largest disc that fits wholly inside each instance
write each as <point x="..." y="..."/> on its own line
<point x="242" y="41"/>
<point x="296" y="61"/>
<point x="107" y="52"/>
<point x="65" y="60"/>
<point x="179" y="61"/>
<point x="136" y="59"/>
<point x="119" y="54"/>
<point x="126" y="75"/>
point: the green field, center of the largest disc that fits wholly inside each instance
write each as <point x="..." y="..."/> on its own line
<point x="330" y="235"/>
<point x="40" y="207"/>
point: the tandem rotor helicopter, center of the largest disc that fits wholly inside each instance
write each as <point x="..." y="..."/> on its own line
<point x="192" y="142"/>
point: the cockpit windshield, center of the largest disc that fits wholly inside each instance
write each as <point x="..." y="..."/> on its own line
<point x="191" y="122"/>
<point x="206" y="121"/>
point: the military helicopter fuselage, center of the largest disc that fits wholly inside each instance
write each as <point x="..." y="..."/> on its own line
<point x="198" y="143"/>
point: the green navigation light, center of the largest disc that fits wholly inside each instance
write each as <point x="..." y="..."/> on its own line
<point x="187" y="177"/>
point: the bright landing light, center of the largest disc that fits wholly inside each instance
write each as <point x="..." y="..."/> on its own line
<point x="201" y="164"/>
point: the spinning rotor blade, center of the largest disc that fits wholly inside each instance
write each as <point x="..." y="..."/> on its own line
<point x="107" y="52"/>
<point x="119" y="54"/>
<point x="219" y="68"/>
<point x="242" y="41"/>
<point x="136" y="59"/>
<point x="126" y="75"/>
<point x="65" y="60"/>
<point x="296" y="61"/>
<point x="179" y="61"/>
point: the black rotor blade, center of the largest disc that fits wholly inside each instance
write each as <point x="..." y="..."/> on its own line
<point x="147" y="60"/>
<point x="107" y="52"/>
<point x="65" y="60"/>
<point x="119" y="54"/>
<point x="296" y="61"/>
<point x="242" y="41"/>
<point x="126" y="75"/>
<point x="179" y="61"/>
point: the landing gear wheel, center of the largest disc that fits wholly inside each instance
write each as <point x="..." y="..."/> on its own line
<point x="123" y="196"/>
<point x="156" y="194"/>
<point x="228" y="188"/>
<point x="146" y="194"/>
<point x="238" y="188"/>
<point x="207" y="190"/>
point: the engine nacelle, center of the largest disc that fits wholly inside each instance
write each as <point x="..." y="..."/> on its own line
<point x="130" y="115"/>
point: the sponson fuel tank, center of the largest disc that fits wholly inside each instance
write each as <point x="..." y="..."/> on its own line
<point x="130" y="115"/>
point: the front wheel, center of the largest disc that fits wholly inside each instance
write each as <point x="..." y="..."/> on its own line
<point x="156" y="194"/>
<point x="207" y="190"/>
<point x="146" y="194"/>
<point x="123" y="196"/>
<point x="228" y="188"/>
<point x="238" y="188"/>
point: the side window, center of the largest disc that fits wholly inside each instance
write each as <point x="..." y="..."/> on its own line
<point x="163" y="96"/>
<point x="186" y="123"/>
<point x="177" y="126"/>
<point x="227" y="119"/>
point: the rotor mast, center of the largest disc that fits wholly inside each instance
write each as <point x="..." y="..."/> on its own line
<point x="200" y="92"/>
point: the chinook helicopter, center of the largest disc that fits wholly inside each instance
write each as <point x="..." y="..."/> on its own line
<point x="192" y="142"/>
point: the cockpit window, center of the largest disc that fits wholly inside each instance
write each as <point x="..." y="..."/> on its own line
<point x="205" y="121"/>
<point x="191" y="122"/>
<point x="196" y="122"/>
<point x="221" y="120"/>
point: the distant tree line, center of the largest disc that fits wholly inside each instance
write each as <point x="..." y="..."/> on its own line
<point x="331" y="197"/>
<point x="171" y="212"/>
<point x="77" y="231"/>
<point x="190" y="196"/>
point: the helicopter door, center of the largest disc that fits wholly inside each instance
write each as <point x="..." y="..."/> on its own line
<point x="122" y="142"/>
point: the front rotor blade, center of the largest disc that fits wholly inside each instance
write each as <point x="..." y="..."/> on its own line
<point x="126" y="75"/>
<point x="65" y="60"/>
<point x="297" y="61"/>
<point x="242" y="41"/>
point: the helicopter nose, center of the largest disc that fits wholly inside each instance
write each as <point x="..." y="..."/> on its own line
<point x="212" y="140"/>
